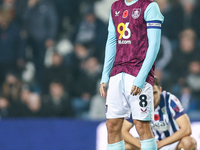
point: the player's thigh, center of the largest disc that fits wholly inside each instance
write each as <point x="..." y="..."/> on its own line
<point x="141" y="105"/>
<point x="116" y="105"/>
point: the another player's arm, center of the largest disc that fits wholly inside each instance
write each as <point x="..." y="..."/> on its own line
<point x="185" y="130"/>
<point x="130" y="141"/>
<point x="152" y="13"/>
<point x="110" y="53"/>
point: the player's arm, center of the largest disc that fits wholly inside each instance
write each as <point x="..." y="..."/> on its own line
<point x="185" y="130"/>
<point x="110" y="53"/>
<point x="154" y="18"/>
<point x="130" y="141"/>
<point x="182" y="119"/>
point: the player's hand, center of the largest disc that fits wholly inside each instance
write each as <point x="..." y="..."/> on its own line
<point x="102" y="89"/>
<point x="135" y="90"/>
<point x="159" y="144"/>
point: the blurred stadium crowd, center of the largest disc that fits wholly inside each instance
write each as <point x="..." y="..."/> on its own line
<point x="52" y="53"/>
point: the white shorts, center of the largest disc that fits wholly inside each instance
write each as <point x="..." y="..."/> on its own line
<point x="170" y="146"/>
<point x="119" y="102"/>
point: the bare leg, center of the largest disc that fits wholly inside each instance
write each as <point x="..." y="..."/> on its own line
<point x="114" y="127"/>
<point x="144" y="129"/>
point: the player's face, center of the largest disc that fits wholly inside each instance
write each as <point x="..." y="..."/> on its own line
<point x="156" y="95"/>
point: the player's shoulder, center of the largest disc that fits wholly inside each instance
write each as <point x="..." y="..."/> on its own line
<point x="170" y="98"/>
<point x="147" y="1"/>
<point x="152" y="4"/>
<point x="117" y="2"/>
<point x="167" y="94"/>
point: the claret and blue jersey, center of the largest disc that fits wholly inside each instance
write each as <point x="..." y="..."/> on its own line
<point x="133" y="40"/>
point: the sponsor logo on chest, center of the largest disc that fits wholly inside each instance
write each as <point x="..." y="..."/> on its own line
<point x="136" y="12"/>
<point x="123" y="27"/>
<point x="117" y="13"/>
<point x="160" y="125"/>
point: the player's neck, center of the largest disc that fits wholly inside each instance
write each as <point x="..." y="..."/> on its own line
<point x="129" y="1"/>
<point x="156" y="104"/>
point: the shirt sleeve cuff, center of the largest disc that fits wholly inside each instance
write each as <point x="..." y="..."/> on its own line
<point x="179" y="114"/>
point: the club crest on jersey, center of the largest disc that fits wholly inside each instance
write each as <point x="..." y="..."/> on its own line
<point x="117" y="13"/>
<point x="125" y="14"/>
<point x="136" y="13"/>
<point x="163" y="110"/>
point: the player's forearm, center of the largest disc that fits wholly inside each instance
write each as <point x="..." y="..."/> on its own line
<point x="177" y="136"/>
<point x="128" y="138"/>
<point x="154" y="37"/>
<point x="110" y="53"/>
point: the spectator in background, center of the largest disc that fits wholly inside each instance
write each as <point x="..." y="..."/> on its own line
<point x="84" y="86"/>
<point x="16" y="7"/>
<point x="12" y="87"/>
<point x="91" y="31"/>
<point x="91" y="73"/>
<point x="97" y="106"/>
<point x="193" y="78"/>
<point x="57" y="71"/>
<point x="20" y="109"/>
<point x="163" y="60"/>
<point x="25" y="92"/>
<point x="193" y="83"/>
<point x="12" y="46"/>
<point x="182" y="15"/>
<point x="87" y="78"/>
<point x="58" y="102"/>
<point x="75" y="59"/>
<point x="5" y="108"/>
<point x="166" y="10"/>
<point x="69" y="11"/>
<point x="33" y="106"/>
<point x="195" y="19"/>
<point x="9" y="5"/>
<point x="186" y="53"/>
<point x="186" y="97"/>
<point x="40" y="21"/>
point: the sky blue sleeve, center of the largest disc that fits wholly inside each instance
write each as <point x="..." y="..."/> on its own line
<point x="153" y="15"/>
<point x="110" y="52"/>
<point x="154" y="36"/>
<point x="111" y="26"/>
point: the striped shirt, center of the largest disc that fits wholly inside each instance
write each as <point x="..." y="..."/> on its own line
<point x="165" y="115"/>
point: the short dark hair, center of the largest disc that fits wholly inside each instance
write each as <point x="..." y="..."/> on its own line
<point x="156" y="81"/>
